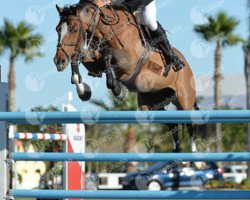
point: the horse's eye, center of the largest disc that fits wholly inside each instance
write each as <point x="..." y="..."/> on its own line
<point x="70" y="28"/>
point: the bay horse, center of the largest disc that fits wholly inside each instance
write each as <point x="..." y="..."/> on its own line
<point x="108" y="40"/>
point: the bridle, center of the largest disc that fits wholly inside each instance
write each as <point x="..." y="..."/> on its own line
<point x="61" y="45"/>
<point x="101" y="18"/>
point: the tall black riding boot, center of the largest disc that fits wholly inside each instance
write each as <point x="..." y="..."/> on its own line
<point x="161" y="39"/>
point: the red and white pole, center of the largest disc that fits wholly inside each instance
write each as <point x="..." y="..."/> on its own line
<point x="74" y="172"/>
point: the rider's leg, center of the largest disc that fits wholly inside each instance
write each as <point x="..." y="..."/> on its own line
<point x="160" y="37"/>
<point x="148" y="16"/>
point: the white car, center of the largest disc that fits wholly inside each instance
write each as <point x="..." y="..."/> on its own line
<point x="235" y="173"/>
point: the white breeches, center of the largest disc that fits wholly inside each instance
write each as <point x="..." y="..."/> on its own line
<point x="147" y="16"/>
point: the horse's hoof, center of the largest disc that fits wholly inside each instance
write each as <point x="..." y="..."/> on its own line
<point x="200" y="165"/>
<point x="186" y="164"/>
<point x="87" y="93"/>
<point x="123" y="93"/>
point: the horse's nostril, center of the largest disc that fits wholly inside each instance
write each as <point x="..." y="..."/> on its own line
<point x="63" y="61"/>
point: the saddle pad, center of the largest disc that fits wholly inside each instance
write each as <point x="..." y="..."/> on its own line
<point x="156" y="58"/>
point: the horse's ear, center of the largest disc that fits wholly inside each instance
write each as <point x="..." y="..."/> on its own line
<point x="59" y="9"/>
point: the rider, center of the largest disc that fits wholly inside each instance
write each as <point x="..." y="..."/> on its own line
<point x="147" y="16"/>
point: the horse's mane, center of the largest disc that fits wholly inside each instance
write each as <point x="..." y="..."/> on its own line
<point x="72" y="9"/>
<point x="119" y="6"/>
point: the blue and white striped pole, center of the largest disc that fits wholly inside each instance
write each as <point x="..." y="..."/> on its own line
<point x="38" y="136"/>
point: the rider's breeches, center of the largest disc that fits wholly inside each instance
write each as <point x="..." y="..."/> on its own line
<point x="147" y="16"/>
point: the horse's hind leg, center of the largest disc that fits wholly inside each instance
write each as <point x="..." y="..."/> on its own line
<point x="146" y="103"/>
<point x="175" y="135"/>
<point x="191" y="131"/>
<point x="202" y="128"/>
<point x="186" y="101"/>
<point x="190" y="127"/>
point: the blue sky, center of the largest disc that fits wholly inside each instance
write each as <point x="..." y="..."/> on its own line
<point x="38" y="82"/>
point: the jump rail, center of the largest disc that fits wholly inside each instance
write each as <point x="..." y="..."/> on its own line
<point x="242" y="116"/>
<point x="115" y="117"/>
<point x="59" y="194"/>
<point x="132" y="157"/>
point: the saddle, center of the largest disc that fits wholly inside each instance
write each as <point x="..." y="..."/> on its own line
<point x="146" y="38"/>
<point x="132" y="6"/>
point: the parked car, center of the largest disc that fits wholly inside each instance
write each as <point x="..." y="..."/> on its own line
<point x="235" y="173"/>
<point x="162" y="176"/>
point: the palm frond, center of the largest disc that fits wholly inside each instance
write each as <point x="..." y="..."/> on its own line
<point x="9" y="28"/>
<point x="226" y="24"/>
<point x="31" y="47"/>
<point x="232" y="40"/>
<point x="248" y="43"/>
<point x="129" y="104"/>
<point x="20" y="40"/>
<point x="31" y="55"/>
<point x="208" y="30"/>
<point x="1" y="43"/>
<point x="205" y="32"/>
<point x="221" y="27"/>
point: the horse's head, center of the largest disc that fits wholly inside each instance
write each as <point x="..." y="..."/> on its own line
<point x="75" y="22"/>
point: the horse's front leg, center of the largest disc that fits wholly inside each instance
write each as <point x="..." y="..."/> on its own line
<point x="83" y="90"/>
<point x="117" y="88"/>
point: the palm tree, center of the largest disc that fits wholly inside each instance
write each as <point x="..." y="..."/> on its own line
<point x="219" y="29"/>
<point x="1" y="45"/>
<point x="20" y="41"/>
<point x="247" y="74"/>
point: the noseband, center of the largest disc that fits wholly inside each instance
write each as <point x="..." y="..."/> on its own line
<point x="61" y="45"/>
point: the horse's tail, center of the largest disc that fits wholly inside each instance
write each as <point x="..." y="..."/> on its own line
<point x="202" y="128"/>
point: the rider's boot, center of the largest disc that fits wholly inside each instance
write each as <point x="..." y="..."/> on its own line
<point x="161" y="39"/>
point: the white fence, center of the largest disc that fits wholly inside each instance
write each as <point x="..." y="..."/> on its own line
<point x="110" y="181"/>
